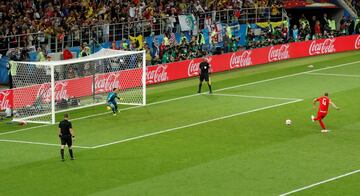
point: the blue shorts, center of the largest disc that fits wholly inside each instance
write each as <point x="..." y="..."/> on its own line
<point x="112" y="104"/>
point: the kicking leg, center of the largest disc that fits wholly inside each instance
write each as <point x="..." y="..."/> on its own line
<point x="320" y="118"/>
<point x="322" y="124"/>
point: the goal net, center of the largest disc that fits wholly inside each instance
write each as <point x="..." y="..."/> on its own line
<point x="42" y="89"/>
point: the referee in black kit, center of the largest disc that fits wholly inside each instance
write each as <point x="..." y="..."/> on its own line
<point x="66" y="135"/>
<point x="204" y="68"/>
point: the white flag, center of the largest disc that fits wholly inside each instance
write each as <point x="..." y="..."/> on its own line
<point x="187" y="22"/>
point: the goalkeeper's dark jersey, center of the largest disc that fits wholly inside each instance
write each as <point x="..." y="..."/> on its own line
<point x="111" y="97"/>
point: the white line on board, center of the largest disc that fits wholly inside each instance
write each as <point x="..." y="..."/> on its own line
<point x="322" y="182"/>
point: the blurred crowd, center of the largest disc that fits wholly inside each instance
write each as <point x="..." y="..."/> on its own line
<point x="39" y="20"/>
<point x="356" y="5"/>
<point x="304" y="29"/>
<point x="60" y="16"/>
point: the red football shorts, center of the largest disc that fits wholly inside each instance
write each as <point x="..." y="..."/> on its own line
<point x="321" y="115"/>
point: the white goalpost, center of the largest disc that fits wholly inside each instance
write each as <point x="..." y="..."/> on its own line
<point x="42" y="89"/>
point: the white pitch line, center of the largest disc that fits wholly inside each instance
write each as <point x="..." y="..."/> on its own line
<point x="330" y="74"/>
<point x="25" y="129"/>
<point x="39" y="143"/>
<point x="195" y="124"/>
<point x="192" y="95"/>
<point x="322" y="182"/>
<point x="255" y="97"/>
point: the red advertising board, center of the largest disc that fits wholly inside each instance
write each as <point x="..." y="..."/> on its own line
<point x="6" y="99"/>
<point x="178" y="70"/>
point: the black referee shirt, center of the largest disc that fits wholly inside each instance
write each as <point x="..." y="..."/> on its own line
<point x="204" y="67"/>
<point x="65" y="127"/>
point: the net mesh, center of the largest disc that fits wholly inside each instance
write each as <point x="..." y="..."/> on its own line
<point x="78" y="83"/>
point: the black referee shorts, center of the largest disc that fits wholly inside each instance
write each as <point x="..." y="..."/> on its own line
<point x="66" y="140"/>
<point x="204" y="77"/>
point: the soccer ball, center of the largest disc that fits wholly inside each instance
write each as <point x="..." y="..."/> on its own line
<point x="22" y="123"/>
<point x="108" y="108"/>
<point x="288" y="122"/>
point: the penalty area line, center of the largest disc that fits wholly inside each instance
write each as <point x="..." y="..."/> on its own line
<point x="254" y="97"/>
<point x="321" y="182"/>
<point x="25" y="129"/>
<point x="40" y="143"/>
<point x="194" y="124"/>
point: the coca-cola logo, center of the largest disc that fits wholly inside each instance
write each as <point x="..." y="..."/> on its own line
<point x="105" y="83"/>
<point x="193" y="68"/>
<point x="60" y="91"/>
<point x="324" y="47"/>
<point x="157" y="75"/>
<point x="357" y="42"/>
<point x="277" y="54"/>
<point x="5" y="100"/>
<point x="243" y="60"/>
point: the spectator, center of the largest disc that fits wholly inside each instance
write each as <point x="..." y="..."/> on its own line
<point x="67" y="53"/>
<point x="357" y="28"/>
<point x="85" y="50"/>
<point x="234" y="44"/>
<point x="148" y="55"/>
<point x="113" y="46"/>
<point x="41" y="56"/>
<point x="344" y="26"/>
<point x="12" y="69"/>
<point x="226" y="40"/>
<point x="295" y="33"/>
<point x="324" y="23"/>
<point x="312" y="24"/>
<point x="317" y="28"/>
<point x="351" y="26"/>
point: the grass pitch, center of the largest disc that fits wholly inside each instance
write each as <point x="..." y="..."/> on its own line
<point x="233" y="142"/>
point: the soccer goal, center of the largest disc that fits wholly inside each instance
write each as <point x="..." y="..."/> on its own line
<point x="42" y="89"/>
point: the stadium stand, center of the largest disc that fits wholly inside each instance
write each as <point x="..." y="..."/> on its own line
<point x="31" y="30"/>
<point x="356" y="5"/>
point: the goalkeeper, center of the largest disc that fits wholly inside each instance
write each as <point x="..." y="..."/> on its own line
<point x="112" y="102"/>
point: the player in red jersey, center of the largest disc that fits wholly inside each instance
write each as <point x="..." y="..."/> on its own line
<point x="324" y="103"/>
